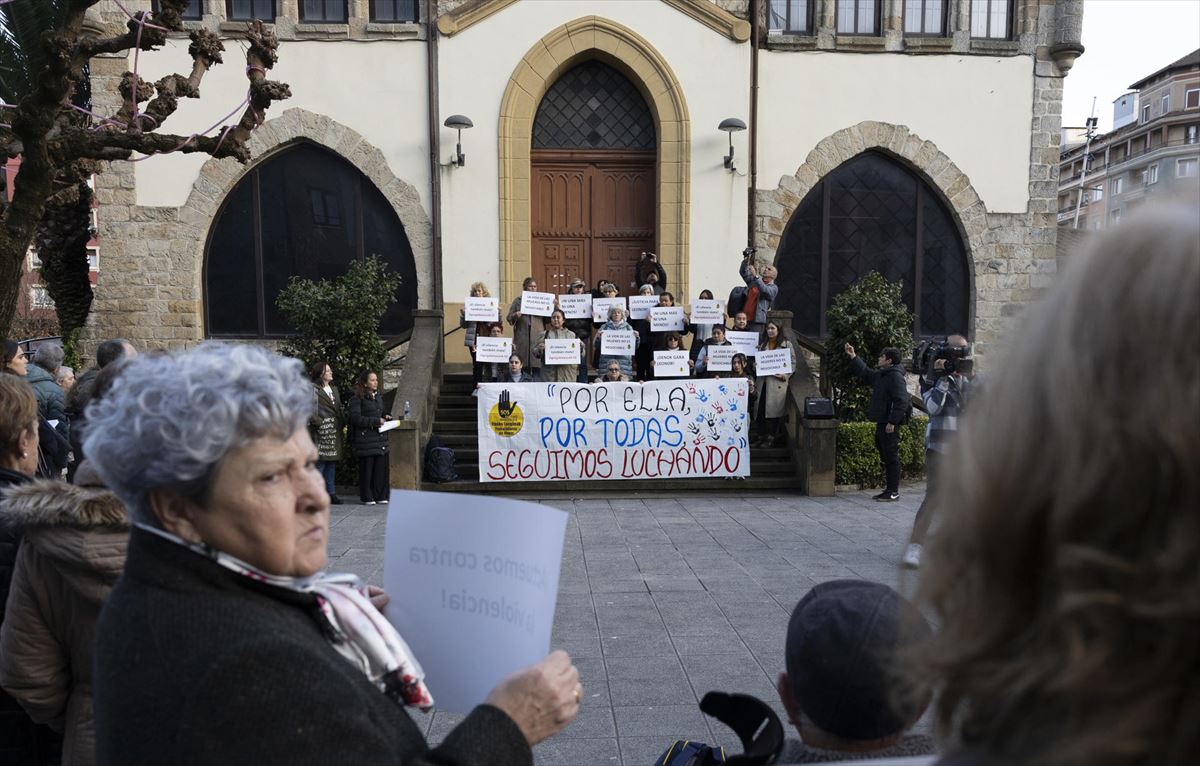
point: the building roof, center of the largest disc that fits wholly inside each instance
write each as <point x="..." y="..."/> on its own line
<point x="1190" y="60"/>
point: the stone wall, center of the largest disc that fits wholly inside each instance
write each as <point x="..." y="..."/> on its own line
<point x="1012" y="256"/>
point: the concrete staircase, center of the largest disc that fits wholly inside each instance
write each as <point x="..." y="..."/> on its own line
<point x="454" y="422"/>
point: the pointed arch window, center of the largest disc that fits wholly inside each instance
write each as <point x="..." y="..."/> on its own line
<point x="874" y="214"/>
<point x="303" y="212"/>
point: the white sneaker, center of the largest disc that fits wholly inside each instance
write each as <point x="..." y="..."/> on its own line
<point x="383" y="502"/>
<point x="912" y="556"/>
<point x="369" y="502"/>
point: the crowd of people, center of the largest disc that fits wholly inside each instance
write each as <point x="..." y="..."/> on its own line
<point x="171" y="605"/>
<point x="748" y="313"/>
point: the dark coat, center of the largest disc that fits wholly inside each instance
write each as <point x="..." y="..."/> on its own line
<point x="365" y="412"/>
<point x="72" y="553"/>
<point x="889" y="395"/>
<point x="22" y="742"/>
<point x="325" y="426"/>
<point x="527" y="376"/>
<point x="196" y="664"/>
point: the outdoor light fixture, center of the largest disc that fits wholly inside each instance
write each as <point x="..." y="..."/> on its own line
<point x="731" y="125"/>
<point x="458" y="122"/>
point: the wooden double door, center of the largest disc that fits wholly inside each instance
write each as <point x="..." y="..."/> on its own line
<point x="592" y="214"/>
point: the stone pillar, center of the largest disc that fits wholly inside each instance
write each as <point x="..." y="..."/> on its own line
<point x="818" y="456"/>
<point x="404" y="455"/>
<point x="1068" y="31"/>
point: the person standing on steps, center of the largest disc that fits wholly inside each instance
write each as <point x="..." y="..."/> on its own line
<point x="525" y="333"/>
<point x="888" y="410"/>
<point x="370" y="446"/>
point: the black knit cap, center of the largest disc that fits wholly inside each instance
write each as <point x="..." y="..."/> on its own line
<point x="842" y="645"/>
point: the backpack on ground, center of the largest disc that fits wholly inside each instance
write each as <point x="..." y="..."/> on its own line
<point x="755" y="723"/>
<point x="439" y="462"/>
<point x="683" y="752"/>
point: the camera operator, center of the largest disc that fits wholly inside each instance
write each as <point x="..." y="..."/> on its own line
<point x="888" y="409"/>
<point x="650" y="272"/>
<point x="945" y="388"/>
<point x="761" y="290"/>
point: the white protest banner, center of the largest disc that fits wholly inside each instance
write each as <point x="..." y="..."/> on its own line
<point x="600" y="307"/>
<point x="481" y="310"/>
<point x="708" y="312"/>
<point x="640" y="305"/>
<point x="617" y="343"/>
<point x="666" y="319"/>
<point x="473" y="587"/>
<point x="491" y="349"/>
<point x="575" y="306"/>
<point x="720" y="358"/>
<point x="659" y="430"/>
<point x="670" y="364"/>
<point x="561" y="351"/>
<point x="745" y="340"/>
<point x="777" y="362"/>
<point x="537" y="304"/>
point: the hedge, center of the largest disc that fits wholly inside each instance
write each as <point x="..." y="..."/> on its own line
<point x="858" y="460"/>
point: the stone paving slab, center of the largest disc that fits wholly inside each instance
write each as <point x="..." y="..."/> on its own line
<point x="663" y="599"/>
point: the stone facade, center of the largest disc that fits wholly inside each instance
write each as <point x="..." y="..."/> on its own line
<point x="1012" y="257"/>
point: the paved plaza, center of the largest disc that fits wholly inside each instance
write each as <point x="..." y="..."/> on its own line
<point x="665" y="598"/>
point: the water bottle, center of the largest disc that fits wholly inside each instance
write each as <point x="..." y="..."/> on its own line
<point x="407" y="410"/>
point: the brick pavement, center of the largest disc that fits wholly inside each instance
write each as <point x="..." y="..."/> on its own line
<point x="662" y="599"/>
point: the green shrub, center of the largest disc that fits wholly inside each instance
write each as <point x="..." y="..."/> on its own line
<point x="858" y="460"/>
<point x="869" y="315"/>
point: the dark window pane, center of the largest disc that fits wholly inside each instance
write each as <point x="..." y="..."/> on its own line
<point x="232" y="293"/>
<point x="293" y="243"/>
<point x="871" y="217"/>
<point x="323" y="10"/>
<point x="593" y="106"/>
<point x="242" y="10"/>
<point x="393" y="10"/>
<point x="383" y="235"/>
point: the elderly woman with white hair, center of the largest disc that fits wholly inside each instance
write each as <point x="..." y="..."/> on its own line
<point x="616" y="323"/>
<point x="223" y="641"/>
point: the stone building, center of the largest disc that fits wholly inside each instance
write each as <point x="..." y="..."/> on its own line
<point x="914" y="137"/>
<point x="1152" y="152"/>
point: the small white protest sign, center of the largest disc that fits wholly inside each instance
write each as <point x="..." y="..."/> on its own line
<point x="617" y="343"/>
<point x="561" y="351"/>
<point x="473" y="587"/>
<point x="640" y="305"/>
<point x="745" y="340"/>
<point x="600" y="307"/>
<point x="575" y="306"/>
<point x="537" y="304"/>
<point x="708" y="312"/>
<point x="666" y="319"/>
<point x="670" y="364"/>
<point x="491" y="349"/>
<point x="481" y="310"/>
<point x="777" y="362"/>
<point x="720" y="358"/>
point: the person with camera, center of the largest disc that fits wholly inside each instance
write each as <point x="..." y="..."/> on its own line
<point x="888" y="410"/>
<point x="650" y="272"/>
<point x="761" y="291"/>
<point x="946" y="384"/>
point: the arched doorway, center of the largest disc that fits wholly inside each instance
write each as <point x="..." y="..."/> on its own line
<point x="874" y="214"/>
<point x="304" y="211"/>
<point x="592" y="194"/>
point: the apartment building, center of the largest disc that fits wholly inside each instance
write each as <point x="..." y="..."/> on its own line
<point x="1152" y="152"/>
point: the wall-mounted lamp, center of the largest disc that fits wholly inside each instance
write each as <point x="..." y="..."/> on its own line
<point x="731" y="125"/>
<point x="458" y="122"/>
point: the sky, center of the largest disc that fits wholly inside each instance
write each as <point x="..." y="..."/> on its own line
<point x="1125" y="40"/>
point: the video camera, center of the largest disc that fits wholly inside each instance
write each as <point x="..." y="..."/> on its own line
<point x="749" y="252"/>
<point x="956" y="358"/>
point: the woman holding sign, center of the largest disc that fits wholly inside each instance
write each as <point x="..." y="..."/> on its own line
<point x="524" y="334"/>
<point x="224" y="640"/>
<point x="772" y="390"/>
<point x="582" y="327"/>
<point x="558" y="373"/>
<point x="617" y="326"/>
<point x="475" y="330"/>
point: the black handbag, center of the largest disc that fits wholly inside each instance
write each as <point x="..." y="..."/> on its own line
<point x="818" y="408"/>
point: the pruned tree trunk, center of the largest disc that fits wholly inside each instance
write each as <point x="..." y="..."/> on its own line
<point x="58" y="152"/>
<point x="61" y="244"/>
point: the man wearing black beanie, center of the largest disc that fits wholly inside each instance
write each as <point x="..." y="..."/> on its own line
<point x="841" y="690"/>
